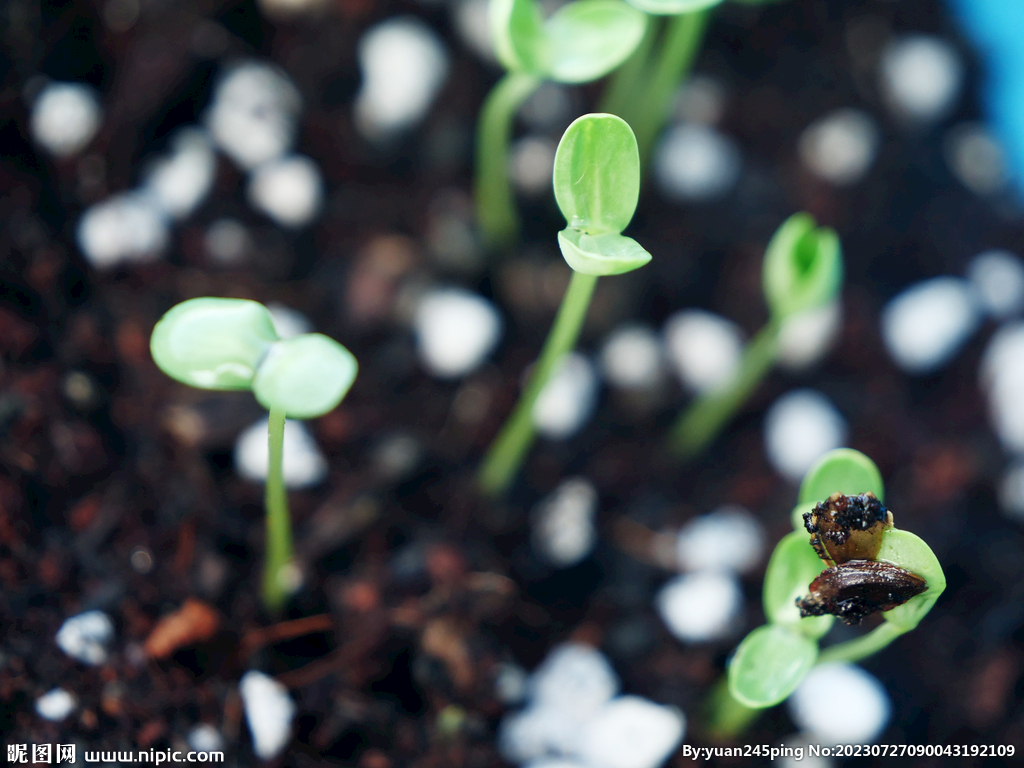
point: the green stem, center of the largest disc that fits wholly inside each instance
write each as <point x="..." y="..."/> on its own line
<point x="495" y="205"/>
<point x="726" y="717"/>
<point x="620" y="94"/>
<point x="504" y="457"/>
<point x="279" y="527"/>
<point x="861" y="647"/>
<point x="698" y="425"/>
<point x="679" y="48"/>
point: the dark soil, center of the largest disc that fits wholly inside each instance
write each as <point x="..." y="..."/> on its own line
<point x="427" y="589"/>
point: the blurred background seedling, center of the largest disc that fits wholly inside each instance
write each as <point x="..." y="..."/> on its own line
<point x="231" y="344"/>
<point x="580" y="42"/>
<point x="597" y="184"/>
<point x="802" y="271"/>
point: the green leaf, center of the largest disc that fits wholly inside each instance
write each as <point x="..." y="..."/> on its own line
<point x="590" y="38"/>
<point x="672" y="7"/>
<point x="597" y="174"/>
<point x="306" y="376"/>
<point x="517" y="32"/>
<point x="769" y="664"/>
<point x="213" y="343"/>
<point x="803" y="267"/>
<point x="909" y="551"/>
<point x="792" y="567"/>
<point x="607" y="254"/>
<point x="843" y="470"/>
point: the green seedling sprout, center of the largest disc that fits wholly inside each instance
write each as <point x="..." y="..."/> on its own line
<point x="580" y="42"/>
<point x="771" y="661"/>
<point x="802" y="270"/>
<point x="597" y="183"/>
<point x="231" y="344"/>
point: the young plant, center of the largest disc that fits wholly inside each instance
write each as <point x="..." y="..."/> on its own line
<point x="894" y="572"/>
<point x="227" y="344"/>
<point x="597" y="183"/>
<point x="802" y="270"/>
<point x="580" y="42"/>
<point x="642" y="90"/>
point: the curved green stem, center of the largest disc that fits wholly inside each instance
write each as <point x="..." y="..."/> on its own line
<point x="726" y="717"/>
<point x="620" y="94"/>
<point x="698" y="425"/>
<point x="495" y="206"/>
<point x="861" y="647"/>
<point x="504" y="457"/>
<point x="279" y="527"/>
<point x="679" y="48"/>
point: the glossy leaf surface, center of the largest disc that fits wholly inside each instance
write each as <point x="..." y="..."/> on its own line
<point x="597" y="174"/>
<point x="520" y="42"/>
<point x="587" y="39"/>
<point x="769" y="664"/>
<point x="305" y="376"/>
<point x="608" y="254"/>
<point x="803" y="267"/>
<point x="909" y="551"/>
<point x="672" y="7"/>
<point x="213" y="343"/>
<point x="793" y="566"/>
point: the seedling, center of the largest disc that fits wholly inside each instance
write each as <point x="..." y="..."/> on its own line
<point x="894" y="572"/>
<point x="597" y="183"/>
<point x="803" y="270"/>
<point x="580" y="42"/>
<point x="231" y="344"/>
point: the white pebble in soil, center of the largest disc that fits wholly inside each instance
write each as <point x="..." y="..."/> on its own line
<point x="807" y="337"/>
<point x="253" y="113"/>
<point x="55" y="705"/>
<point x="289" y="190"/>
<point x="925" y="326"/>
<point x="288" y="322"/>
<point x="1002" y="379"/>
<point x="920" y="77"/>
<point x="799" y="428"/>
<point x="728" y="539"/>
<point x="530" y="165"/>
<point x="567" y="401"/>
<point x="563" y="523"/>
<point x="631" y="732"/>
<point x="180" y="181"/>
<point x="700" y="607"/>
<point x="473" y="27"/>
<point x="303" y="464"/>
<point x="841" y="704"/>
<point x="227" y="241"/>
<point x="575" y="678"/>
<point x="536" y="732"/>
<point x="510" y="684"/>
<point x="455" y="330"/>
<point x="703" y="348"/>
<point x="549" y="108"/>
<point x="976" y="158"/>
<point x="85" y="637"/>
<point x="701" y="100"/>
<point x="205" y="738"/>
<point x="695" y="162"/>
<point x="997" y="279"/>
<point x="555" y="762"/>
<point x="404" y="65"/>
<point x="631" y="357"/>
<point x="127" y="227"/>
<point x="65" y="117"/>
<point x="269" y="711"/>
<point x="1011" y="491"/>
<point x="840" y="146"/>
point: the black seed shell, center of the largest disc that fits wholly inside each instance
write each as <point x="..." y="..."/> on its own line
<point x="859" y="588"/>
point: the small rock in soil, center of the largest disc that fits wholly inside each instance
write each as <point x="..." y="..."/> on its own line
<point x="841" y="704"/>
<point x="180" y="181"/>
<point x="455" y="330"/>
<point x="920" y="78"/>
<point x="65" y="117"/>
<point x="269" y="711"/>
<point x="128" y="227"/>
<point x="55" y="705"/>
<point x="632" y="357"/>
<point x="205" y="738"/>
<point x="925" y="326"/>
<point x="696" y="163"/>
<point x="568" y="399"/>
<point x="304" y="465"/>
<point x="631" y="732"/>
<point x="704" y="348"/>
<point x="840" y="146"/>
<point x="799" y="428"/>
<point x="700" y="607"/>
<point x="806" y="338"/>
<point x="728" y="539"/>
<point x="997" y="279"/>
<point x="288" y="189"/>
<point x="563" y="523"/>
<point x="85" y="637"/>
